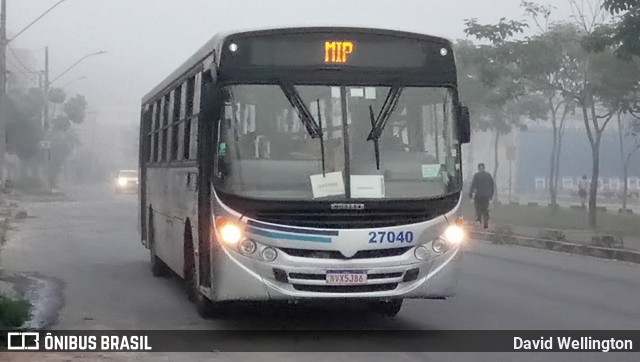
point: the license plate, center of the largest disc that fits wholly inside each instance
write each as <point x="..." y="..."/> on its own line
<point x="346" y="277"/>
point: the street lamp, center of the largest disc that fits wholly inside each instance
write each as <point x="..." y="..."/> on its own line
<point x="48" y="83"/>
<point x="73" y="80"/>
<point x="76" y="63"/>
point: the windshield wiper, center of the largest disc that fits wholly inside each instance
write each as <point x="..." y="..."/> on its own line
<point x="385" y="112"/>
<point x="314" y="128"/>
<point x="378" y="124"/>
<point x="376" y="147"/>
<point x="306" y="117"/>
<point x="321" y="135"/>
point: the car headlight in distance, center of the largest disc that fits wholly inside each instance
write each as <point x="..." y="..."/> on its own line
<point x="122" y="181"/>
<point x="454" y="234"/>
<point x="230" y="233"/>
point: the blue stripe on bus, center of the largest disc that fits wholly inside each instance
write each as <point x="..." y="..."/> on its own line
<point x="293" y="230"/>
<point x="271" y="234"/>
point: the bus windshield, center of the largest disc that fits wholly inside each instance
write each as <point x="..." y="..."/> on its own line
<point x="339" y="142"/>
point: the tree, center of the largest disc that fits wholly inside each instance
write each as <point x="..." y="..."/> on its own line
<point x="472" y="91"/>
<point x="24" y="119"/>
<point x="627" y="31"/>
<point x="606" y="83"/>
<point x="75" y="109"/>
<point x="499" y="75"/>
<point x="545" y="58"/>
<point x="597" y="81"/>
<point x="627" y="130"/>
<point x="62" y="136"/>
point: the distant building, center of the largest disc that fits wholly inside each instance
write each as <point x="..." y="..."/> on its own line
<point x="530" y="155"/>
<point x="534" y="154"/>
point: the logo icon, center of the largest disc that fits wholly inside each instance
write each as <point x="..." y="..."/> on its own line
<point x="347" y="206"/>
<point x="21" y="341"/>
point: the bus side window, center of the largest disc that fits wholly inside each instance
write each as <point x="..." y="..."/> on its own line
<point x="166" y="100"/>
<point x="175" y="120"/>
<point x="156" y="131"/>
<point x="181" y="122"/>
<point x="147" y="119"/>
<point x="186" y="144"/>
<point x="193" y="138"/>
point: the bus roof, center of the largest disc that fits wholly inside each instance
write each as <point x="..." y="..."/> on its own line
<point x="215" y="43"/>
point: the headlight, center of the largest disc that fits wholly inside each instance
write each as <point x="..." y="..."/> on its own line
<point x="122" y="181"/>
<point x="230" y="233"/>
<point x="439" y="245"/>
<point x="269" y="254"/>
<point x="247" y="246"/>
<point x="422" y="252"/>
<point x="454" y="235"/>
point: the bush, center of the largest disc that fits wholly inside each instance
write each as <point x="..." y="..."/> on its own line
<point x="13" y="313"/>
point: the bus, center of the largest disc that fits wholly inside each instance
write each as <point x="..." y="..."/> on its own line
<point x="306" y="164"/>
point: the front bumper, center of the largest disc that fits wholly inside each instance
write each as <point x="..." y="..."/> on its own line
<point x="238" y="277"/>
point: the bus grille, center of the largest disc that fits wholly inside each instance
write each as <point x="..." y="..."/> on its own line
<point x="341" y="220"/>
<point x="304" y="276"/>
<point x="345" y="288"/>
<point x="332" y="254"/>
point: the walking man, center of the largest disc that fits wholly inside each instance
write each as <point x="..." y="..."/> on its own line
<point x="483" y="187"/>
<point x="582" y="189"/>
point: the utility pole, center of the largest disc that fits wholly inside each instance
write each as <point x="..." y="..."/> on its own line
<point x="44" y="145"/>
<point x="45" y="118"/>
<point x="3" y="87"/>
<point x="3" y="77"/>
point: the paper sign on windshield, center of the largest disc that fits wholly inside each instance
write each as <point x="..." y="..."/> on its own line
<point x="370" y="93"/>
<point x="431" y="171"/>
<point x="367" y="186"/>
<point x="331" y="184"/>
<point x="357" y="92"/>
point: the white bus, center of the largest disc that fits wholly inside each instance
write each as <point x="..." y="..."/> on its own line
<point x="306" y="163"/>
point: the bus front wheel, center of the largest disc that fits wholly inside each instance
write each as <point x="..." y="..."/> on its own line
<point x="205" y="308"/>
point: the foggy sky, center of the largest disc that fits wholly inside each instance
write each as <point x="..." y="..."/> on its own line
<point x="147" y="39"/>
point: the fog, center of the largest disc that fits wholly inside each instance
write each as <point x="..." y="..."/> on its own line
<point x="341" y="200"/>
<point x="147" y="39"/>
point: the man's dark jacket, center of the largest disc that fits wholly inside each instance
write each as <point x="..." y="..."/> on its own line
<point x="482" y="184"/>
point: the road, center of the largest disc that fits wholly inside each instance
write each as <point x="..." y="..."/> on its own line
<point x="88" y="250"/>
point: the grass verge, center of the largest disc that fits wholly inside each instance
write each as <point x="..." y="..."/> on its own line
<point x="543" y="217"/>
<point x="13" y="313"/>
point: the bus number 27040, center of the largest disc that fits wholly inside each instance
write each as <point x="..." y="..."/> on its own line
<point x="380" y="237"/>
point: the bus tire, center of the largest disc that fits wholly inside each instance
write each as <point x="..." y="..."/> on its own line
<point x="205" y="308"/>
<point x="158" y="268"/>
<point x="389" y="308"/>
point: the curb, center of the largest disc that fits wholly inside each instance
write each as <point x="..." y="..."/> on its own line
<point x="630" y="256"/>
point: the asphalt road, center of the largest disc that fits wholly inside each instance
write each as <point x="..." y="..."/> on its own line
<point x="88" y="253"/>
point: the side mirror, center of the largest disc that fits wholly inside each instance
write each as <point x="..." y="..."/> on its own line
<point x="464" y="125"/>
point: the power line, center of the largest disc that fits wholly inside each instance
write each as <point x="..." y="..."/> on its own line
<point x="23" y="72"/>
<point x="24" y="66"/>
